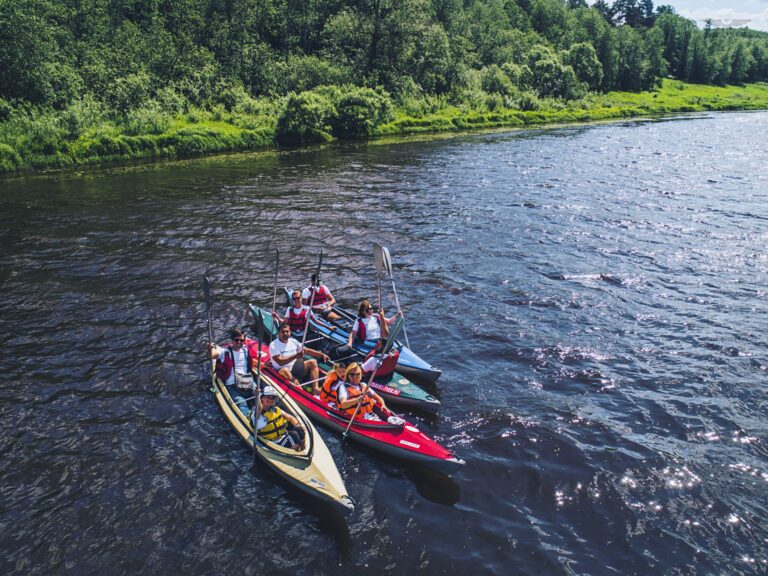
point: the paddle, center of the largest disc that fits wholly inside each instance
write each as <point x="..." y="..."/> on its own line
<point x="257" y="384"/>
<point x="383" y="259"/>
<point x="207" y="293"/>
<point x="384" y="351"/>
<point x="274" y="292"/>
<point x="378" y="258"/>
<point x="312" y="299"/>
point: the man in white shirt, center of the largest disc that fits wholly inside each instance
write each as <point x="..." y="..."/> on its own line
<point x="287" y="355"/>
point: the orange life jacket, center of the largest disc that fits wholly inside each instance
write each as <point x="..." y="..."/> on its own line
<point x="329" y="391"/>
<point x="365" y="407"/>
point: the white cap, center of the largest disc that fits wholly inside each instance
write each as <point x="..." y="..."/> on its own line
<point x="269" y="391"/>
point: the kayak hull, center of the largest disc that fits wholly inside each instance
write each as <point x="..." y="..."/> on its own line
<point x="311" y="471"/>
<point x="395" y="390"/>
<point x="403" y="440"/>
<point x="409" y="364"/>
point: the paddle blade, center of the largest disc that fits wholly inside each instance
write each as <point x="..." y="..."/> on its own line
<point x="394" y="332"/>
<point x="378" y="257"/>
<point x="207" y="289"/>
<point x="387" y="261"/>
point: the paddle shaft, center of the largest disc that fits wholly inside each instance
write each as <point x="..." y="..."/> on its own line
<point x="383" y="258"/>
<point x="274" y="291"/>
<point x="207" y="292"/>
<point x="257" y="387"/>
<point x="384" y="352"/>
<point x="312" y="298"/>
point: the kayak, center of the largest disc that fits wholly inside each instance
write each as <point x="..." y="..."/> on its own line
<point x="395" y="389"/>
<point x="409" y="364"/>
<point x="394" y="436"/>
<point x="311" y="470"/>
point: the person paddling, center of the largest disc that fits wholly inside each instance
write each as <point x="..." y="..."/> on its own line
<point x="369" y="326"/>
<point x="234" y="367"/>
<point x="354" y="392"/>
<point x="273" y="423"/>
<point x="323" y="301"/>
<point x="296" y="316"/>
<point x="287" y="357"/>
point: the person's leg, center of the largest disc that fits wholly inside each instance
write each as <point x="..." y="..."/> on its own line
<point x="287" y="375"/>
<point x="298" y="372"/>
<point x="310" y="366"/>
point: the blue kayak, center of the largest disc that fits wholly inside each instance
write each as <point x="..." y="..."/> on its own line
<point x="396" y="389"/>
<point x="409" y="364"/>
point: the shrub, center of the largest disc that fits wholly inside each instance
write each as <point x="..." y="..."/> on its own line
<point x="149" y="119"/>
<point x="359" y="111"/>
<point x="305" y="119"/>
<point x="495" y="81"/>
<point x="9" y="159"/>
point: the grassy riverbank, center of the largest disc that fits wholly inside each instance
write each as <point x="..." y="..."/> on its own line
<point x="85" y="133"/>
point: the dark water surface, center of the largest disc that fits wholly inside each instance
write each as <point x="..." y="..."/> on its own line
<point x="595" y="296"/>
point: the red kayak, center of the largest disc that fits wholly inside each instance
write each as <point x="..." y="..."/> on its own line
<point x="394" y="436"/>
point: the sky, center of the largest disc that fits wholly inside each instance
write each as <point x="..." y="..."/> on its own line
<point x="722" y="12"/>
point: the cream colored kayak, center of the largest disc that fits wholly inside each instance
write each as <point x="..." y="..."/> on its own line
<point x="312" y="470"/>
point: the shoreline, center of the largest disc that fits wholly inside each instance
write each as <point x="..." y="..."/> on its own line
<point x="210" y="138"/>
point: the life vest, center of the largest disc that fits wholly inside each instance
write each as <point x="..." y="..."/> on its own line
<point x="225" y="363"/>
<point x="321" y="296"/>
<point x="329" y="391"/>
<point x="387" y="368"/>
<point x="275" y="426"/>
<point x="297" y="321"/>
<point x="361" y="331"/>
<point x="365" y="407"/>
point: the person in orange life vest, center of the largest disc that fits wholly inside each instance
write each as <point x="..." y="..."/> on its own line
<point x="333" y="380"/>
<point x="234" y="366"/>
<point x="323" y="302"/>
<point x="296" y="316"/>
<point x="287" y="356"/>
<point x="354" y="391"/>
<point x="273" y="423"/>
<point x="369" y="326"/>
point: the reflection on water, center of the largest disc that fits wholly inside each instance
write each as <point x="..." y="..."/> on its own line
<point x="595" y="297"/>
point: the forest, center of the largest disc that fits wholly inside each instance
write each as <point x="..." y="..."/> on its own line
<point x="92" y="80"/>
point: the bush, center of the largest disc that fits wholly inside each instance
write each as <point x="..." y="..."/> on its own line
<point x="360" y="111"/>
<point x="149" y="119"/>
<point x="9" y="159"/>
<point x="495" y="81"/>
<point x="305" y="119"/>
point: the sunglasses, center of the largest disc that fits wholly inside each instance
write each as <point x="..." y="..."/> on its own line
<point x="295" y="297"/>
<point x="356" y="375"/>
<point x="241" y="340"/>
<point x="369" y="309"/>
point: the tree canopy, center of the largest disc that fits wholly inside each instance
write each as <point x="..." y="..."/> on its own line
<point x="131" y="54"/>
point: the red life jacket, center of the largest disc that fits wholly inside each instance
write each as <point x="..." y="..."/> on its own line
<point x="365" y="407"/>
<point x="297" y="321"/>
<point x="360" y="329"/>
<point x="387" y="367"/>
<point x="225" y="363"/>
<point x="321" y="296"/>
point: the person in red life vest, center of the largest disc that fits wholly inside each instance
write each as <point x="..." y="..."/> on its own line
<point x="276" y="425"/>
<point x="296" y="316"/>
<point x="353" y="392"/>
<point x="234" y="367"/>
<point x="369" y="326"/>
<point x="323" y="302"/>
<point x="287" y="357"/>
<point x="334" y="378"/>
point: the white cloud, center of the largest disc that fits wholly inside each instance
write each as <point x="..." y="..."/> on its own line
<point x="727" y="16"/>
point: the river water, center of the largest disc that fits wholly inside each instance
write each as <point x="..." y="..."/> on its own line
<point x="595" y="296"/>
